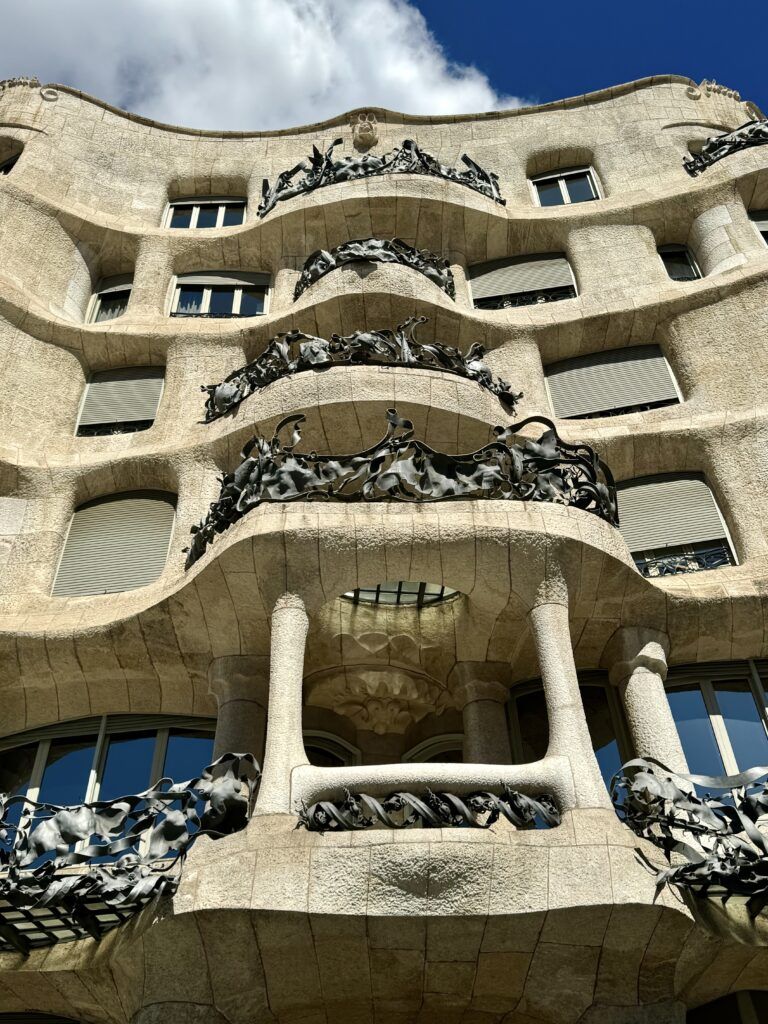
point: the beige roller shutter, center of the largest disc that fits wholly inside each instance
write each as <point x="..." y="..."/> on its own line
<point x="610" y="380"/>
<point x="520" y="274"/>
<point x="125" y="395"/>
<point x="668" y="511"/>
<point x="116" y="543"/>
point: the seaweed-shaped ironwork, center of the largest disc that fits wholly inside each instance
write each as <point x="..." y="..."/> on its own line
<point x="377" y="250"/>
<point x="401" y="468"/>
<point x="294" y="352"/>
<point x="753" y="133"/>
<point x="321" y="169"/>
<point x="480" y="809"/>
<point x="131" y="847"/>
<point x="725" y="853"/>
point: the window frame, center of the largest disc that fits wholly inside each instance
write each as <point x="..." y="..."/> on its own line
<point x="706" y="677"/>
<point x="422" y="599"/>
<point x="332" y="744"/>
<point x="7" y="165"/>
<point x="754" y="216"/>
<point x="423" y="752"/>
<point x="196" y="202"/>
<point x="560" y="177"/>
<point x="260" y="280"/>
<point x="108" y="286"/>
<point x="694" y="263"/>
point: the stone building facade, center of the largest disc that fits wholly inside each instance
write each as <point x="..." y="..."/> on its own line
<point x="451" y="612"/>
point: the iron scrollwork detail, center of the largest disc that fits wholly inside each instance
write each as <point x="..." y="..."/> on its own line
<point x="129" y="846"/>
<point x="376" y="250"/>
<point x="321" y="169"/>
<point x="401" y="468"/>
<point x="723" y="852"/>
<point x="358" y="811"/>
<point x="293" y="352"/>
<point x="753" y="133"/>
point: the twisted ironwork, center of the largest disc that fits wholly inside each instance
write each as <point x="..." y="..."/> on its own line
<point x="753" y="133"/>
<point x="321" y="169"/>
<point x="376" y="250"/>
<point x="294" y="352"/>
<point x="127" y="849"/>
<point x="723" y="851"/>
<point x="694" y="558"/>
<point x="481" y="809"/>
<point x="401" y="468"/>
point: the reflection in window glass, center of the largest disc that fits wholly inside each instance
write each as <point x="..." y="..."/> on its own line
<point x="601" y="730"/>
<point x="549" y="193"/>
<point x="187" y="754"/>
<point x="206" y="217"/>
<point x="579" y="188"/>
<point x="15" y="773"/>
<point x="252" y="302"/>
<point x="128" y="765"/>
<point x="222" y="299"/>
<point x="678" y="263"/>
<point x="190" y="299"/>
<point x="695" y="728"/>
<point x="742" y="720"/>
<point x="112" y="305"/>
<point x="181" y="216"/>
<point x="234" y="214"/>
<point x="65" y="779"/>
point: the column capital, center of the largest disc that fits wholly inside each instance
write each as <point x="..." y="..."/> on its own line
<point x="239" y="677"/>
<point x="479" y="680"/>
<point x="635" y="647"/>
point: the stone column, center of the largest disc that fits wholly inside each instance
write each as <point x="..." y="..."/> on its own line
<point x="637" y="664"/>
<point x="285" y="745"/>
<point x="240" y="684"/>
<point x="568" y="732"/>
<point x="151" y="278"/>
<point x="482" y="699"/>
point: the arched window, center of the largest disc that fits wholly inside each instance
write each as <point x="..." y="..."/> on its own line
<point x="447" y="748"/>
<point x="327" y="751"/>
<point x="116" y="543"/>
<point x="120" y="401"/>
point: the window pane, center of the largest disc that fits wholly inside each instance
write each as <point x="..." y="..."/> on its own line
<point x="206" y="218"/>
<point x="580" y="188"/>
<point x="252" y="302"/>
<point x="181" y="216"/>
<point x="234" y="214"/>
<point x="679" y="265"/>
<point x="190" y="300"/>
<point x="549" y="193"/>
<point x="128" y="765"/>
<point x="65" y="779"/>
<point x="534" y="728"/>
<point x="446" y="756"/>
<point x="112" y="305"/>
<point x="696" y="735"/>
<point x="742" y="720"/>
<point x="221" y="301"/>
<point x="15" y="772"/>
<point x="322" y="758"/>
<point x="187" y="754"/>
<point x="601" y="730"/>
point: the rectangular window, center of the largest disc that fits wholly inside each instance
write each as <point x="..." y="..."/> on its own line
<point x="220" y="294"/>
<point x="110" y="299"/>
<point x="679" y="263"/>
<point x="206" y="213"/>
<point x="181" y="216"/>
<point x="120" y="401"/>
<point x="521" y="281"/>
<point x="576" y="185"/>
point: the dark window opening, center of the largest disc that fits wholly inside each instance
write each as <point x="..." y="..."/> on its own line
<point x="679" y="263"/>
<point x="402" y="592"/>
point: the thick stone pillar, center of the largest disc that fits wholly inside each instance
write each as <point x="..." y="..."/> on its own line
<point x="636" y="660"/>
<point x="240" y="684"/>
<point x="482" y="698"/>
<point x="568" y="732"/>
<point x="284" y="749"/>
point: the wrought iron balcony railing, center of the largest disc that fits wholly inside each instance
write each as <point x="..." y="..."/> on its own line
<point x="401" y="468"/>
<point x="691" y="558"/>
<point x="527" y="298"/>
<point x="295" y="352"/>
<point x="753" y="133"/>
<point x="71" y="872"/>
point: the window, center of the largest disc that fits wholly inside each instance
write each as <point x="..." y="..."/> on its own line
<point x="6" y="166"/>
<point x="679" y="262"/>
<point x="326" y="751"/>
<point x="111" y="299"/>
<point x="736" y="1008"/>
<point x="446" y="749"/>
<point x="209" y="212"/>
<point x="402" y="592"/>
<point x="120" y="401"/>
<point x="672" y="525"/>
<point x="220" y="295"/>
<point x="720" y="713"/>
<point x="116" y="543"/>
<point x="521" y="281"/>
<point x="760" y="219"/>
<point x="577" y="185"/>
<point x="611" y="383"/>
<point x="530" y="727"/>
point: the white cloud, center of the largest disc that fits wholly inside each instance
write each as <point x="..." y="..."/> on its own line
<point x="242" y="64"/>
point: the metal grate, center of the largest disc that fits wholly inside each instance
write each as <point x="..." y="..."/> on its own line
<point x="688" y="558"/>
<point x="401" y="592"/>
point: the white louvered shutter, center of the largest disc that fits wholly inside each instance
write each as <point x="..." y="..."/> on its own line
<point x="116" y="543"/>
<point x="520" y="274"/>
<point x="617" y="379"/>
<point x="664" y="511"/>
<point x="125" y="395"/>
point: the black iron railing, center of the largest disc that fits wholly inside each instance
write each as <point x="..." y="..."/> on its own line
<point x="692" y="558"/>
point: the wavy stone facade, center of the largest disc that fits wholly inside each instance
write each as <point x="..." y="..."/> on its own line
<point x="472" y="926"/>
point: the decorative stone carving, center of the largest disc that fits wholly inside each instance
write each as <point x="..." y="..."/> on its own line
<point x="400" y="468"/>
<point x="364" y="129"/>
<point x="380" y="698"/>
<point x="753" y="133"/>
<point x="148" y="834"/>
<point x="723" y="852"/>
<point x="431" y="810"/>
<point x="30" y="81"/>
<point x="376" y="250"/>
<point x="294" y="352"/>
<point x="321" y="169"/>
